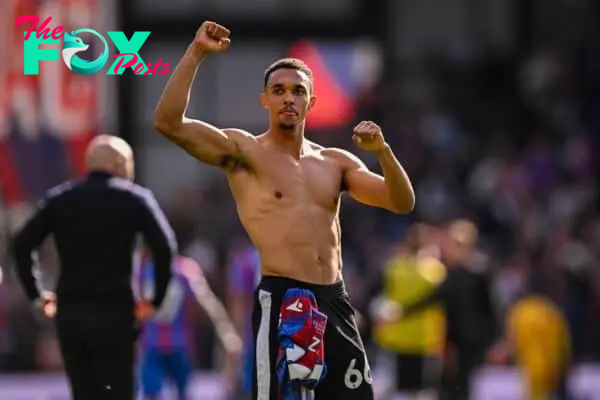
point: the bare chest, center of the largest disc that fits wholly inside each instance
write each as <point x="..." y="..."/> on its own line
<point x="282" y="182"/>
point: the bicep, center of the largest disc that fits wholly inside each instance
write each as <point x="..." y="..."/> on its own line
<point x="203" y="141"/>
<point x="367" y="187"/>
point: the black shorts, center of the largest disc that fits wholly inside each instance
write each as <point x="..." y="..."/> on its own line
<point x="348" y="373"/>
<point x="417" y="372"/>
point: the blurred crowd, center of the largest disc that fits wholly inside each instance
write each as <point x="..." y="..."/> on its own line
<point x="508" y="144"/>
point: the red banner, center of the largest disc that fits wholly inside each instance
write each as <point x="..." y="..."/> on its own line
<point x="46" y="120"/>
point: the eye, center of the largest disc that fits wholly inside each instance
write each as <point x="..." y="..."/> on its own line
<point x="278" y="91"/>
<point x="299" y="91"/>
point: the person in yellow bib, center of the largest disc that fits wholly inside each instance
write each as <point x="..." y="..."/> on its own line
<point x="463" y="292"/>
<point x="539" y="339"/>
<point x="416" y="341"/>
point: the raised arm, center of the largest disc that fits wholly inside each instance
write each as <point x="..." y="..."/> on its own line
<point x="392" y="191"/>
<point x="201" y="140"/>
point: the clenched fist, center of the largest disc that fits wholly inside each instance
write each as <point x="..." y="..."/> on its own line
<point x="212" y="37"/>
<point x="368" y="136"/>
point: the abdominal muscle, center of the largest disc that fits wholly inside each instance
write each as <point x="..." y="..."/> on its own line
<point x="301" y="263"/>
<point x="298" y="247"/>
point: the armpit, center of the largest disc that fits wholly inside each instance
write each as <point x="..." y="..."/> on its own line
<point x="232" y="163"/>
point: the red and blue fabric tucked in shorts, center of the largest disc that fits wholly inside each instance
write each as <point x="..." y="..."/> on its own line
<point x="301" y="354"/>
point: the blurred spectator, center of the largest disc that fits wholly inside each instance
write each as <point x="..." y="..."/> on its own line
<point x="470" y="311"/>
<point x="243" y="273"/>
<point x="416" y="342"/>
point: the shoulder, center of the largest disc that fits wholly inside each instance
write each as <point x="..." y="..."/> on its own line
<point x="526" y="308"/>
<point x="124" y="185"/>
<point x="56" y="192"/>
<point x="237" y="132"/>
<point x="137" y="192"/>
<point x="343" y="158"/>
<point x="61" y="189"/>
<point x="432" y="269"/>
<point x="239" y="136"/>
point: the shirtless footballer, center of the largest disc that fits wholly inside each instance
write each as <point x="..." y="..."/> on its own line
<point x="287" y="190"/>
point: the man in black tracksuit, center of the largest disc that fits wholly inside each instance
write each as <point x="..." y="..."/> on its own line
<point x="95" y="223"/>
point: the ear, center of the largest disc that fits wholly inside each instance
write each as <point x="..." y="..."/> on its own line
<point x="263" y="100"/>
<point x="312" y="101"/>
<point x="119" y="166"/>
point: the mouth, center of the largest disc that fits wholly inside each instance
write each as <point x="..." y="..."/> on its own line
<point x="289" y="112"/>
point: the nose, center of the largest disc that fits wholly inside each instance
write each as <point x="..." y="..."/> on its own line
<point x="288" y="99"/>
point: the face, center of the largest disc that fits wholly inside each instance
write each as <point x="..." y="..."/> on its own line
<point x="456" y="251"/>
<point x="288" y="97"/>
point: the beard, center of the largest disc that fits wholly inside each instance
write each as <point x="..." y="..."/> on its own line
<point x="287" y="126"/>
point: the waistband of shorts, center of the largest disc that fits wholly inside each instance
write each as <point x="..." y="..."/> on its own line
<point x="280" y="284"/>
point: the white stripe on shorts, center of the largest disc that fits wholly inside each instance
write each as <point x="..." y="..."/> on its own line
<point x="263" y="360"/>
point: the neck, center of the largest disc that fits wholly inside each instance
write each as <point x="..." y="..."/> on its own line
<point x="290" y="141"/>
<point x="101" y="170"/>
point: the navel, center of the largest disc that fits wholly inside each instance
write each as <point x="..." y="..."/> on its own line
<point x="278" y="195"/>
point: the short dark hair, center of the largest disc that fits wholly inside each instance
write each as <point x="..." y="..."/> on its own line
<point x="288" y="63"/>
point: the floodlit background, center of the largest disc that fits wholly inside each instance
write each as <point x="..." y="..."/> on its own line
<point x="493" y="107"/>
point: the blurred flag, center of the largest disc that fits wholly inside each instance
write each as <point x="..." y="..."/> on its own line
<point x="341" y="71"/>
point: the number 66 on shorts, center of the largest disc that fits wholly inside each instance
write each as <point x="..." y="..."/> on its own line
<point x="354" y="378"/>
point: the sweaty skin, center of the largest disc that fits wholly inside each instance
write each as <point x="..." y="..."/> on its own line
<point x="287" y="189"/>
<point x="289" y="208"/>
